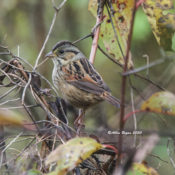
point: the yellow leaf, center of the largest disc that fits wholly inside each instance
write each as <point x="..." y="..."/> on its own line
<point x="141" y="169"/>
<point x="160" y="102"/>
<point x="72" y="153"/>
<point x="122" y="17"/>
<point x="9" y="117"/>
<point x="161" y="16"/>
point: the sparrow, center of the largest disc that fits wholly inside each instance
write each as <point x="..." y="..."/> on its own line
<point x="77" y="79"/>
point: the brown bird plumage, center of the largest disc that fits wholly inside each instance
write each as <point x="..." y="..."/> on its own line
<point x="76" y="78"/>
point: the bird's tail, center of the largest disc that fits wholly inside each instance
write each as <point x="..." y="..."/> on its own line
<point x="111" y="99"/>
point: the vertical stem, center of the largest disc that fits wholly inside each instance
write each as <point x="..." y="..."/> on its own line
<point x="139" y="3"/>
<point x="97" y="30"/>
<point x="123" y="88"/>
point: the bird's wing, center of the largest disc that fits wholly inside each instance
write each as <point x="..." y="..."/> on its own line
<point x="83" y="75"/>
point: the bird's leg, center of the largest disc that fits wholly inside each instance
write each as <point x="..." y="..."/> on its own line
<point x="79" y="120"/>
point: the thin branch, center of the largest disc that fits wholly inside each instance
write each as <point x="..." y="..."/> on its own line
<point x="123" y="85"/>
<point x="150" y="81"/>
<point x="84" y="37"/>
<point x="20" y="107"/>
<point x="108" y="56"/>
<point x="42" y="62"/>
<point x="97" y="30"/>
<point x="146" y="148"/>
<point x="20" y="152"/>
<point x="57" y="9"/>
<point x="157" y="62"/>
<point x="168" y="152"/>
<point x="48" y="82"/>
<point x="13" y="66"/>
<point x="131" y="114"/>
<point x="25" y="88"/>
<point x="7" y="75"/>
<point x="3" y="103"/>
<point x="134" y="116"/>
<point x="11" y="142"/>
<point x="8" y="92"/>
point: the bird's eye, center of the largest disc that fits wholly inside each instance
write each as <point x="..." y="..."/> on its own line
<point x="61" y="51"/>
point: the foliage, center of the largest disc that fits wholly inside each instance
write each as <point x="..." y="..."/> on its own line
<point x="37" y="132"/>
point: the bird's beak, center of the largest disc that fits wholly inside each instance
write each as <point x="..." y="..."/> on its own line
<point x="50" y="55"/>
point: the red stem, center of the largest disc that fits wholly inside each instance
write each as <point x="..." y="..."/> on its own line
<point x="94" y="44"/>
<point x="139" y="3"/>
<point x="111" y="147"/>
<point x="97" y="31"/>
<point x="123" y="87"/>
<point x="130" y="114"/>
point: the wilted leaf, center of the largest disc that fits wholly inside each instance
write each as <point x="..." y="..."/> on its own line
<point x="160" y="102"/>
<point x="161" y="15"/>
<point x="73" y="152"/>
<point x="122" y="17"/>
<point x="141" y="169"/>
<point x="10" y="117"/>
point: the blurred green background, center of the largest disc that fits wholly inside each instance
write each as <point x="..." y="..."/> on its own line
<point x="25" y="24"/>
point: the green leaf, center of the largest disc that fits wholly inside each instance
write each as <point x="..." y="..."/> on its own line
<point x="72" y="153"/>
<point x="122" y="17"/>
<point x="161" y="16"/>
<point x="141" y="169"/>
<point x="160" y="102"/>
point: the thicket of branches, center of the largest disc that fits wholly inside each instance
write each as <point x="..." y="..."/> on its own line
<point x="41" y="123"/>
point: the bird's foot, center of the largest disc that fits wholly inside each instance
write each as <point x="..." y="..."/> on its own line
<point x="78" y="123"/>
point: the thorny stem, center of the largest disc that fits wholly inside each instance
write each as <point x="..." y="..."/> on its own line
<point x="123" y="87"/>
<point x="97" y="30"/>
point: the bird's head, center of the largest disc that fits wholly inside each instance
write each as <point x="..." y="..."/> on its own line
<point x="63" y="53"/>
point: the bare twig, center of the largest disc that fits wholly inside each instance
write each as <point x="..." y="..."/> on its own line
<point x="57" y="9"/>
<point x="150" y="81"/>
<point x="7" y="75"/>
<point x="29" y="144"/>
<point x="7" y="101"/>
<point x="15" y="67"/>
<point x="87" y="36"/>
<point x="8" y="92"/>
<point x="157" y="62"/>
<point x="147" y="147"/>
<point x="11" y="142"/>
<point x="108" y="56"/>
<point x="20" y="107"/>
<point x="170" y="157"/>
<point x="25" y="88"/>
<point x="134" y="115"/>
<point x="97" y="30"/>
<point x="123" y="85"/>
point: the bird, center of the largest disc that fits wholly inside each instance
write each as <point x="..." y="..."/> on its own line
<point x="77" y="79"/>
